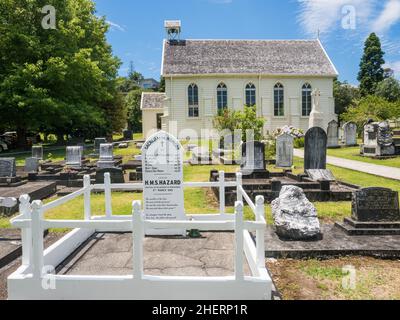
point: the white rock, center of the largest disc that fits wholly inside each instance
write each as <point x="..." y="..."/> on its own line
<point x="295" y="217"/>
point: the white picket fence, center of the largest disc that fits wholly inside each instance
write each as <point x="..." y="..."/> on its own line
<point x="26" y="282"/>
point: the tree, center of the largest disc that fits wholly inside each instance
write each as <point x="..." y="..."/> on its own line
<point x="389" y="89"/>
<point x="344" y="95"/>
<point x="371" y="107"/>
<point x="133" y="100"/>
<point x="59" y="80"/>
<point x="371" y="71"/>
<point x="162" y="84"/>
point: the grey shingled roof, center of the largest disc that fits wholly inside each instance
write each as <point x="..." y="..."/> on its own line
<point x="266" y="57"/>
<point x="152" y="100"/>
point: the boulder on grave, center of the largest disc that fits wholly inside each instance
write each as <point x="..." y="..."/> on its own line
<point x="295" y="217"/>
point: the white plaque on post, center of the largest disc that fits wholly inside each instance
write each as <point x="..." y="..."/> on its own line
<point x="162" y="161"/>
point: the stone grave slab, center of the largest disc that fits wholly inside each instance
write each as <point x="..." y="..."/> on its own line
<point x="253" y="156"/>
<point x="7" y="167"/>
<point x="320" y="174"/>
<point x="116" y="175"/>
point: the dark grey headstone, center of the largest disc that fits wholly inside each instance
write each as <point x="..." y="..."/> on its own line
<point x="128" y="134"/>
<point x="253" y="156"/>
<point x="375" y="204"/>
<point x="8" y="167"/>
<point x="315" y="149"/>
<point x="116" y="174"/>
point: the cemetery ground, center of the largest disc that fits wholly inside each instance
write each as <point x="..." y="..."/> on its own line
<point x="295" y="279"/>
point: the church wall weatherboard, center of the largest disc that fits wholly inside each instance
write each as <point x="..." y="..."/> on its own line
<point x="278" y="76"/>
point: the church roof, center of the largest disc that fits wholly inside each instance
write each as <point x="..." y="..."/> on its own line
<point x="258" y="57"/>
<point x="152" y="100"/>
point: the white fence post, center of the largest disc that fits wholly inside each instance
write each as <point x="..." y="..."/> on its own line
<point x="239" y="239"/>
<point x="239" y="182"/>
<point x="222" y="192"/>
<point x="86" y="197"/>
<point x="138" y="235"/>
<point x="26" y="234"/>
<point x="37" y="239"/>
<point x="107" y="194"/>
<point x="260" y="244"/>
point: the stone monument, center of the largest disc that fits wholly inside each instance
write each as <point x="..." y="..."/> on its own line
<point x="31" y="164"/>
<point x="128" y="135"/>
<point x="253" y="156"/>
<point x="316" y="116"/>
<point x="163" y="195"/>
<point x="37" y="152"/>
<point x="284" y="151"/>
<point x="333" y="134"/>
<point x="315" y="149"/>
<point x="74" y="157"/>
<point x="375" y="211"/>
<point x="295" y="218"/>
<point x="106" y="159"/>
<point x="97" y="143"/>
<point x="8" y="168"/>
<point x="349" y="134"/>
<point x="378" y="140"/>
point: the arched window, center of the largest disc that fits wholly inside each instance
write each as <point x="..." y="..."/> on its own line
<point x="279" y="96"/>
<point x="306" y="99"/>
<point x="222" y="97"/>
<point x="250" y="95"/>
<point x="193" y="97"/>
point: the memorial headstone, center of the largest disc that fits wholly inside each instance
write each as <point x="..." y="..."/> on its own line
<point x="350" y="134"/>
<point x="31" y="165"/>
<point x="333" y="134"/>
<point x="315" y="149"/>
<point x="378" y="140"/>
<point x="284" y="151"/>
<point x="163" y="195"/>
<point x="316" y="116"/>
<point x="128" y="135"/>
<point x="8" y="168"/>
<point x="37" y="152"/>
<point x="106" y="159"/>
<point x="74" y="157"/>
<point x="375" y="211"/>
<point x="253" y="156"/>
<point x="98" y="142"/>
<point x="116" y="175"/>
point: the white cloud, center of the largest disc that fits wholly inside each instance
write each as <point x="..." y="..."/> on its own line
<point x="388" y="17"/>
<point x="115" y="26"/>
<point x="326" y="15"/>
<point x="395" y="66"/>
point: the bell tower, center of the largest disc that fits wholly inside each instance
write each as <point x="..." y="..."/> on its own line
<point x="173" y="29"/>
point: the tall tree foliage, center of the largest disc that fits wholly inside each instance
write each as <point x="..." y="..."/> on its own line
<point x="59" y="80"/>
<point x="389" y="89"/>
<point x="371" y="71"/>
<point x="344" y="95"/>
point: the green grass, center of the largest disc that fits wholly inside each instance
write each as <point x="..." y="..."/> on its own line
<point x="353" y="153"/>
<point x="198" y="200"/>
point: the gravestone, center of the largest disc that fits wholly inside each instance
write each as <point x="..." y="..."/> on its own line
<point x="315" y="149"/>
<point x="316" y="116"/>
<point x="74" y="157"/>
<point x="37" y="152"/>
<point x="98" y="142"/>
<point x="116" y="175"/>
<point x="253" y="156"/>
<point x="375" y="211"/>
<point x="162" y="166"/>
<point x="8" y="168"/>
<point x="350" y="134"/>
<point x="320" y="175"/>
<point x="106" y="159"/>
<point x="128" y="135"/>
<point x="333" y="134"/>
<point x="31" y="165"/>
<point x="378" y="140"/>
<point x="284" y="151"/>
<point x="201" y="155"/>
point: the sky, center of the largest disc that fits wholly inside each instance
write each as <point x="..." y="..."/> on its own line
<point x="137" y="27"/>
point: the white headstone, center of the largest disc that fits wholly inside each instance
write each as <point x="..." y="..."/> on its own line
<point x="74" y="157"/>
<point x="316" y="116"/>
<point x="350" y="134"/>
<point x="31" y="165"/>
<point x="333" y="134"/>
<point x="284" y="151"/>
<point x="37" y="152"/>
<point x="163" y="195"/>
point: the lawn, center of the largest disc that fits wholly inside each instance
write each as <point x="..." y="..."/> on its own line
<point x="353" y="153"/>
<point x="350" y="278"/>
